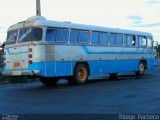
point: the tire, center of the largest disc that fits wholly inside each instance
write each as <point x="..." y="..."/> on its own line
<point x="113" y="76"/>
<point x="80" y="75"/>
<point x="49" y="81"/>
<point x="141" y="69"/>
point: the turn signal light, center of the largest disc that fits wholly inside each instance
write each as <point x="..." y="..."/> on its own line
<point x="30" y="55"/>
<point x="30" y="49"/>
<point x="30" y="61"/>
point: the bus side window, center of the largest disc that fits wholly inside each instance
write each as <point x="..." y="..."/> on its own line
<point x="112" y="38"/>
<point x="74" y="35"/>
<point x="142" y="41"/>
<point x="51" y="35"/>
<point x="94" y="37"/>
<point x="119" y="39"/>
<point x="130" y="40"/>
<point x="103" y="37"/>
<point x="62" y="35"/>
<point x="84" y="37"/>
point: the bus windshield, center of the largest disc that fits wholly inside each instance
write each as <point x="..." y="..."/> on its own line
<point x="11" y="37"/>
<point x="25" y="35"/>
<point x="30" y="34"/>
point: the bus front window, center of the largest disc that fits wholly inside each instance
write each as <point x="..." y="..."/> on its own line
<point x="11" y="37"/>
<point x="30" y="34"/>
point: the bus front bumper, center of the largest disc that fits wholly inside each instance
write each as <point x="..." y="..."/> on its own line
<point x="21" y="72"/>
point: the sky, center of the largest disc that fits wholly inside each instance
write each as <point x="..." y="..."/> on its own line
<point x="141" y="15"/>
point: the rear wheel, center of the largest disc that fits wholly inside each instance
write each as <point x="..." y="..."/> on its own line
<point x="80" y="75"/>
<point x="49" y="81"/>
<point x="141" y="69"/>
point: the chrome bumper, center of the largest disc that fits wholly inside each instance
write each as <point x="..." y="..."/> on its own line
<point x="22" y="72"/>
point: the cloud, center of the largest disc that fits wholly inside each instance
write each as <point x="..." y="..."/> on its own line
<point x="137" y="21"/>
<point x="146" y="25"/>
<point x="136" y="18"/>
<point x="153" y="1"/>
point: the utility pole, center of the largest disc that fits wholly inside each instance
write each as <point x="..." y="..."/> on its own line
<point x="38" y="8"/>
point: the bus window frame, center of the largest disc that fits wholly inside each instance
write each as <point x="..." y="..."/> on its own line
<point x="107" y="38"/>
<point x="138" y="36"/>
<point x="151" y="38"/>
<point x="16" y="41"/>
<point x="134" y="38"/>
<point x="56" y="28"/>
<point x="67" y="35"/>
<point x="46" y="34"/>
<point x="87" y="35"/>
<point x="121" y="39"/>
<point x="115" y="43"/>
<point x="91" y="37"/>
<point x="70" y="36"/>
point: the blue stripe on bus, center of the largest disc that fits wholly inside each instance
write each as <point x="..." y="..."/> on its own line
<point x="8" y="51"/>
<point x="97" y="67"/>
<point x="90" y="52"/>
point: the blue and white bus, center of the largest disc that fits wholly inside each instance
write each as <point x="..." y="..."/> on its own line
<point x="53" y="50"/>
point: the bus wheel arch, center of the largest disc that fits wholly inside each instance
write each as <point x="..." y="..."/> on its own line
<point x="81" y="72"/>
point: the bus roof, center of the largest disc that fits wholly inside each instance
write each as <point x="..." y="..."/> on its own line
<point x="41" y="21"/>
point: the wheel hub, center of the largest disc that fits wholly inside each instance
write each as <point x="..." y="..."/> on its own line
<point x="82" y="74"/>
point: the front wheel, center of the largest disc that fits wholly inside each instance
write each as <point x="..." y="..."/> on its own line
<point x="141" y="69"/>
<point x="49" y="81"/>
<point x="80" y="75"/>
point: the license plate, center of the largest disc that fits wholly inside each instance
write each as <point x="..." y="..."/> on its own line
<point x="16" y="64"/>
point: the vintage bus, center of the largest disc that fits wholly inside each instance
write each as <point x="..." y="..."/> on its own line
<point x="51" y="50"/>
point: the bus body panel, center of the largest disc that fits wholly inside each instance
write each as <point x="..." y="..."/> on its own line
<point x="17" y="59"/>
<point x="59" y="60"/>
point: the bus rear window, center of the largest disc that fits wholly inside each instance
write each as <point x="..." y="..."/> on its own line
<point x="30" y="34"/>
<point x="11" y="37"/>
